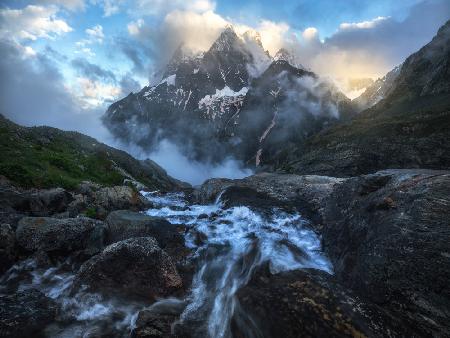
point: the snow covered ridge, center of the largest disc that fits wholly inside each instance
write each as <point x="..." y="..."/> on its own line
<point x="170" y="80"/>
<point x="208" y="100"/>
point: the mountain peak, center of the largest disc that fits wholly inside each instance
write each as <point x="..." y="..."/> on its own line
<point x="284" y="55"/>
<point x="226" y="40"/>
<point x="253" y="36"/>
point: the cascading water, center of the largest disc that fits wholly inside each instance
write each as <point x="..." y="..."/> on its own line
<point x="227" y="245"/>
<point x="235" y="242"/>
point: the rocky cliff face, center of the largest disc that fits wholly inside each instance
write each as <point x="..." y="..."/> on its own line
<point x="224" y="102"/>
<point x="406" y="129"/>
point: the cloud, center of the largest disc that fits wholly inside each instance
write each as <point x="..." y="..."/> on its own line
<point x="92" y="71"/>
<point x="95" y="33"/>
<point x="178" y="165"/>
<point x="93" y="93"/>
<point x="162" y="7"/>
<point x="31" y="23"/>
<point x="369" y="49"/>
<point x="72" y="5"/>
<point x="33" y="92"/>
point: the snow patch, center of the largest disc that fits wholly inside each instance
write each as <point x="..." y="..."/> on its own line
<point x="208" y="100"/>
<point x="170" y="80"/>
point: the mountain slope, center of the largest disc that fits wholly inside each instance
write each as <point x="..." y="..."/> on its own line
<point x="223" y="102"/>
<point x="377" y="90"/>
<point x="282" y="108"/>
<point x="410" y="128"/>
<point x="48" y="157"/>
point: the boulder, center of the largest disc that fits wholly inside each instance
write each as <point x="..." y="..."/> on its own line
<point x="125" y="224"/>
<point x="387" y="235"/>
<point x="61" y="235"/>
<point x="33" y="202"/>
<point x="25" y="314"/>
<point x="8" y="252"/>
<point x="306" y="193"/>
<point x="136" y="267"/>
<point x="119" y="197"/>
<point x="306" y="303"/>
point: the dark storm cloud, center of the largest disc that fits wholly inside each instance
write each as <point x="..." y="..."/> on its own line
<point x="92" y="71"/>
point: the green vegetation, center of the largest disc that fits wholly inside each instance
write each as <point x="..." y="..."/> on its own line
<point x="46" y="157"/>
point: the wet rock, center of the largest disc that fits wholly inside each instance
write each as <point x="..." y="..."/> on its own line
<point x="202" y="216"/>
<point x="154" y="325"/>
<point x="125" y="224"/>
<point x="306" y="193"/>
<point x="25" y="314"/>
<point x="119" y="197"/>
<point x="136" y="267"/>
<point x="8" y="252"/>
<point x="33" y="202"/>
<point x="306" y="303"/>
<point x="387" y="236"/>
<point x="53" y="234"/>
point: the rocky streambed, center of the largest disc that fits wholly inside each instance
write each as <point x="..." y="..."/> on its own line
<point x="267" y="256"/>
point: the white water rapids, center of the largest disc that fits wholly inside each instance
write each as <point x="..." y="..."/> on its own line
<point x="227" y="245"/>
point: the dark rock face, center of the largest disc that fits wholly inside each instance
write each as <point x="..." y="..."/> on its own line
<point x="306" y="193"/>
<point x="377" y="90"/>
<point x="8" y="250"/>
<point x="34" y="202"/>
<point x="307" y="303"/>
<point x="25" y="314"/>
<point x="409" y="128"/>
<point x="154" y="325"/>
<point x="52" y="234"/>
<point x="241" y="102"/>
<point x="124" y="224"/>
<point x="136" y="267"/>
<point x="282" y="108"/>
<point x="387" y="236"/>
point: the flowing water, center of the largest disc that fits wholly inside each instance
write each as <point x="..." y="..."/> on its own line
<point x="227" y="245"/>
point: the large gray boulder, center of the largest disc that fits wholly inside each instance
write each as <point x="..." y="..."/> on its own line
<point x="33" y="202"/>
<point x="136" y="267"/>
<point x="53" y="234"/>
<point x="25" y="314"/>
<point x="307" y="193"/>
<point x="125" y="224"/>
<point x="387" y="235"/>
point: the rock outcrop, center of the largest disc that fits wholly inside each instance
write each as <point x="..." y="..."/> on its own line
<point x="8" y="250"/>
<point x="125" y="224"/>
<point x="25" y="314"/>
<point x="307" y="303"/>
<point x="56" y="235"/>
<point x="136" y="267"/>
<point x="387" y="236"/>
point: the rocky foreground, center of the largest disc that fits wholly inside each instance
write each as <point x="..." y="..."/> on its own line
<point x="386" y="235"/>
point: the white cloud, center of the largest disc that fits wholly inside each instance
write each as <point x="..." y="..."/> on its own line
<point x="135" y="27"/>
<point x="95" y="33"/>
<point x="362" y="25"/>
<point x="310" y="34"/>
<point x="273" y="35"/>
<point x="31" y="23"/>
<point x="93" y="93"/>
<point x="72" y="5"/>
<point x="161" y="7"/>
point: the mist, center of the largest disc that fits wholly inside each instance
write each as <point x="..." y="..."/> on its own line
<point x="180" y="166"/>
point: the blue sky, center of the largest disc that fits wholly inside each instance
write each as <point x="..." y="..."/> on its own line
<point x="71" y="58"/>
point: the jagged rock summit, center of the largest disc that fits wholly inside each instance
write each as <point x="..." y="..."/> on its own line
<point x="198" y="105"/>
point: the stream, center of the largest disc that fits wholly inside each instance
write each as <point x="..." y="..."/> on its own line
<point x="227" y="245"/>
